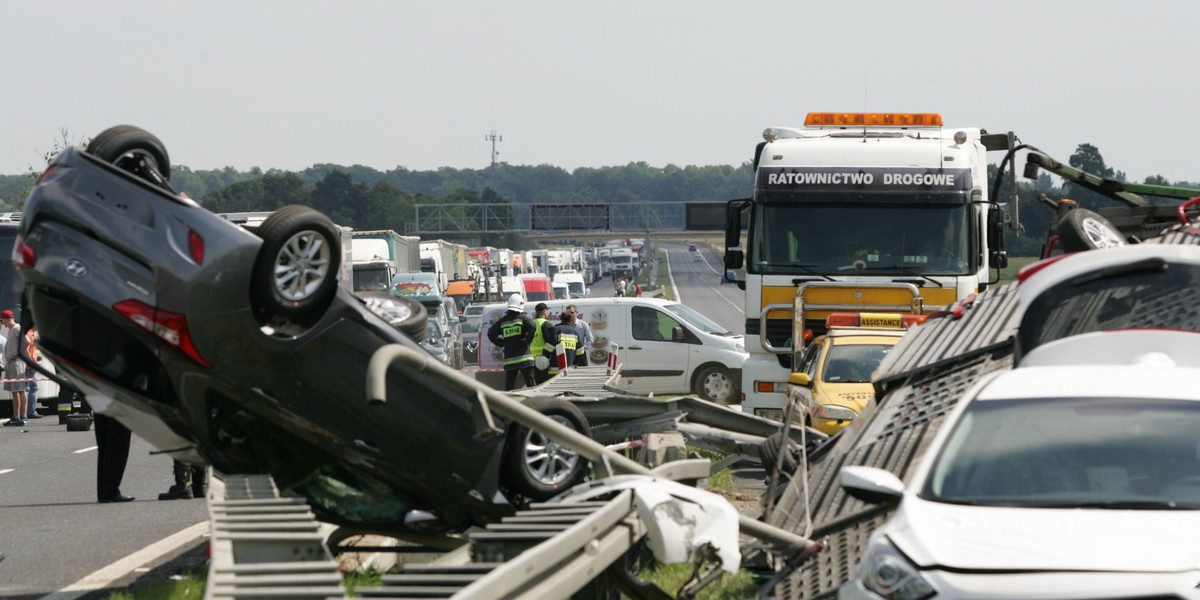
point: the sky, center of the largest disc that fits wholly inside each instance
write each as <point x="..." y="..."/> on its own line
<point x="286" y="84"/>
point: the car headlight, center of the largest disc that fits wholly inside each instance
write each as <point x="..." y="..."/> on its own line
<point x="740" y="347"/>
<point x="831" y="411"/>
<point x="889" y="574"/>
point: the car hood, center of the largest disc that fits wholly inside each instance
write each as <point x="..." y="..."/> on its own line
<point x="850" y="395"/>
<point x="1041" y="539"/>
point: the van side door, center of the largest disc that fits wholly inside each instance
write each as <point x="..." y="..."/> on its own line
<point x="654" y="363"/>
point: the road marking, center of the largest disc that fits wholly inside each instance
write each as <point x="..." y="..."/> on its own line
<point x="715" y="288"/>
<point x="105" y="577"/>
<point x="3" y="471"/>
<point x="671" y="277"/>
<point x="82" y="450"/>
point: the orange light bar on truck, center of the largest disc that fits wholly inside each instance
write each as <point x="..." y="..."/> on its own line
<point x="892" y="320"/>
<point x="874" y="119"/>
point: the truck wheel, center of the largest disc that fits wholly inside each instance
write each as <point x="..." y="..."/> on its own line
<point x="714" y="384"/>
<point x="405" y="314"/>
<point x="295" y="273"/>
<point x="537" y="467"/>
<point x="1081" y="229"/>
<point x="135" y="150"/>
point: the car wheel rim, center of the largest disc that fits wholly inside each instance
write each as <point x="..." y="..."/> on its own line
<point x="549" y="462"/>
<point x="716" y="386"/>
<point x="1102" y="235"/>
<point x="301" y="265"/>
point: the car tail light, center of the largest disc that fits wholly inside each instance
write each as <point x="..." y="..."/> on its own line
<point x="196" y="247"/>
<point x="23" y="254"/>
<point x="167" y="326"/>
<point x="46" y="175"/>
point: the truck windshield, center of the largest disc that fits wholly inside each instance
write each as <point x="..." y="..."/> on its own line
<point x="860" y="239"/>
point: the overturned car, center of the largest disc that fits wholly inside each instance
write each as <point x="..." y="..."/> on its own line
<point x="236" y="346"/>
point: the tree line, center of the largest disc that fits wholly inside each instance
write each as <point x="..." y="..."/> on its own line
<point x="366" y="198"/>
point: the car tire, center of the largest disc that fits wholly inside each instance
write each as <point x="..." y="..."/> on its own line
<point x="537" y="468"/>
<point x="1081" y="229"/>
<point x="768" y="452"/>
<point x="713" y="383"/>
<point x="296" y="271"/>
<point x="135" y="150"/>
<point x="405" y="314"/>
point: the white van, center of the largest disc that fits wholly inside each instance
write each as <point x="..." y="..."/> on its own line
<point x="574" y="282"/>
<point x="664" y="347"/>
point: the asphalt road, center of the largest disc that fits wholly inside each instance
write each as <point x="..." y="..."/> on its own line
<point x="698" y="285"/>
<point x="54" y="534"/>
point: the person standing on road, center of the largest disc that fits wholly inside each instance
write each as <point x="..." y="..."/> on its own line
<point x="14" y="369"/>
<point x="542" y="327"/>
<point x="585" y="336"/>
<point x="31" y="384"/>
<point x="566" y="334"/>
<point x="513" y="332"/>
<point x="112" y="453"/>
<point x="191" y="481"/>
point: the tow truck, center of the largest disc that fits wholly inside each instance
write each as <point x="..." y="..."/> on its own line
<point x="894" y="207"/>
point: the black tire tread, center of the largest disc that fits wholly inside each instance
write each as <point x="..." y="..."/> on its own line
<point x="1070" y="230"/>
<point x="112" y="143"/>
<point x="703" y="373"/>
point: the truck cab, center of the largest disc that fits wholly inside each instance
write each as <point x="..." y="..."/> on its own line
<point x="869" y="200"/>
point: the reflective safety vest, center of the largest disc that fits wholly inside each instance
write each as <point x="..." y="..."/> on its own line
<point x="539" y="341"/>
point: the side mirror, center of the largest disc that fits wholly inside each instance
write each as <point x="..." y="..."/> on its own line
<point x="677" y="334"/>
<point x="734" y="259"/>
<point x="871" y="485"/>
<point x="800" y="379"/>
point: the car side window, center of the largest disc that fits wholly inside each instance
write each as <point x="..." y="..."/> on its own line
<point x="653" y="325"/>
<point x="811" y="356"/>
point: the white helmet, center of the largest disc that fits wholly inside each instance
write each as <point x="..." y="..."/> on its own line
<point x="541" y="362"/>
<point x="515" y="302"/>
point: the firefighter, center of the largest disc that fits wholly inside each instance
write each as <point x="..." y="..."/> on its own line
<point x="513" y="332"/>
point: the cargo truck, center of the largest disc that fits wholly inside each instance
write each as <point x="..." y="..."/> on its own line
<point x="381" y="254"/>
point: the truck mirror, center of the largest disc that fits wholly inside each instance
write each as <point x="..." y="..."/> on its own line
<point x="733" y="222"/>
<point x="999" y="259"/>
<point x="676" y="334"/>
<point x="1031" y="171"/>
<point x="734" y="259"/>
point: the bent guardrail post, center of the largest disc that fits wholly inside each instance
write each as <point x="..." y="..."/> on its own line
<point x="799" y="547"/>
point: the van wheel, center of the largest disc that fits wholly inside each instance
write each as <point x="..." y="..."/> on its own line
<point x="714" y="384"/>
<point x="537" y="467"/>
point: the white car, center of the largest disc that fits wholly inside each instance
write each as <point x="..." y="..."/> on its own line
<point x="1074" y="475"/>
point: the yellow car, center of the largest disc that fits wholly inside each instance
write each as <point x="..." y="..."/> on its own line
<point x="833" y="381"/>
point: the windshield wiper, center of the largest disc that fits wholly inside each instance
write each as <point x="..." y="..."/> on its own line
<point x="905" y="270"/>
<point x="808" y="269"/>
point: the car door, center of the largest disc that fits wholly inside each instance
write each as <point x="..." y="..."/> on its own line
<point x="653" y="362"/>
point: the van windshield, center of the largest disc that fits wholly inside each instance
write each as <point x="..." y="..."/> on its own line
<point x="697" y="320"/>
